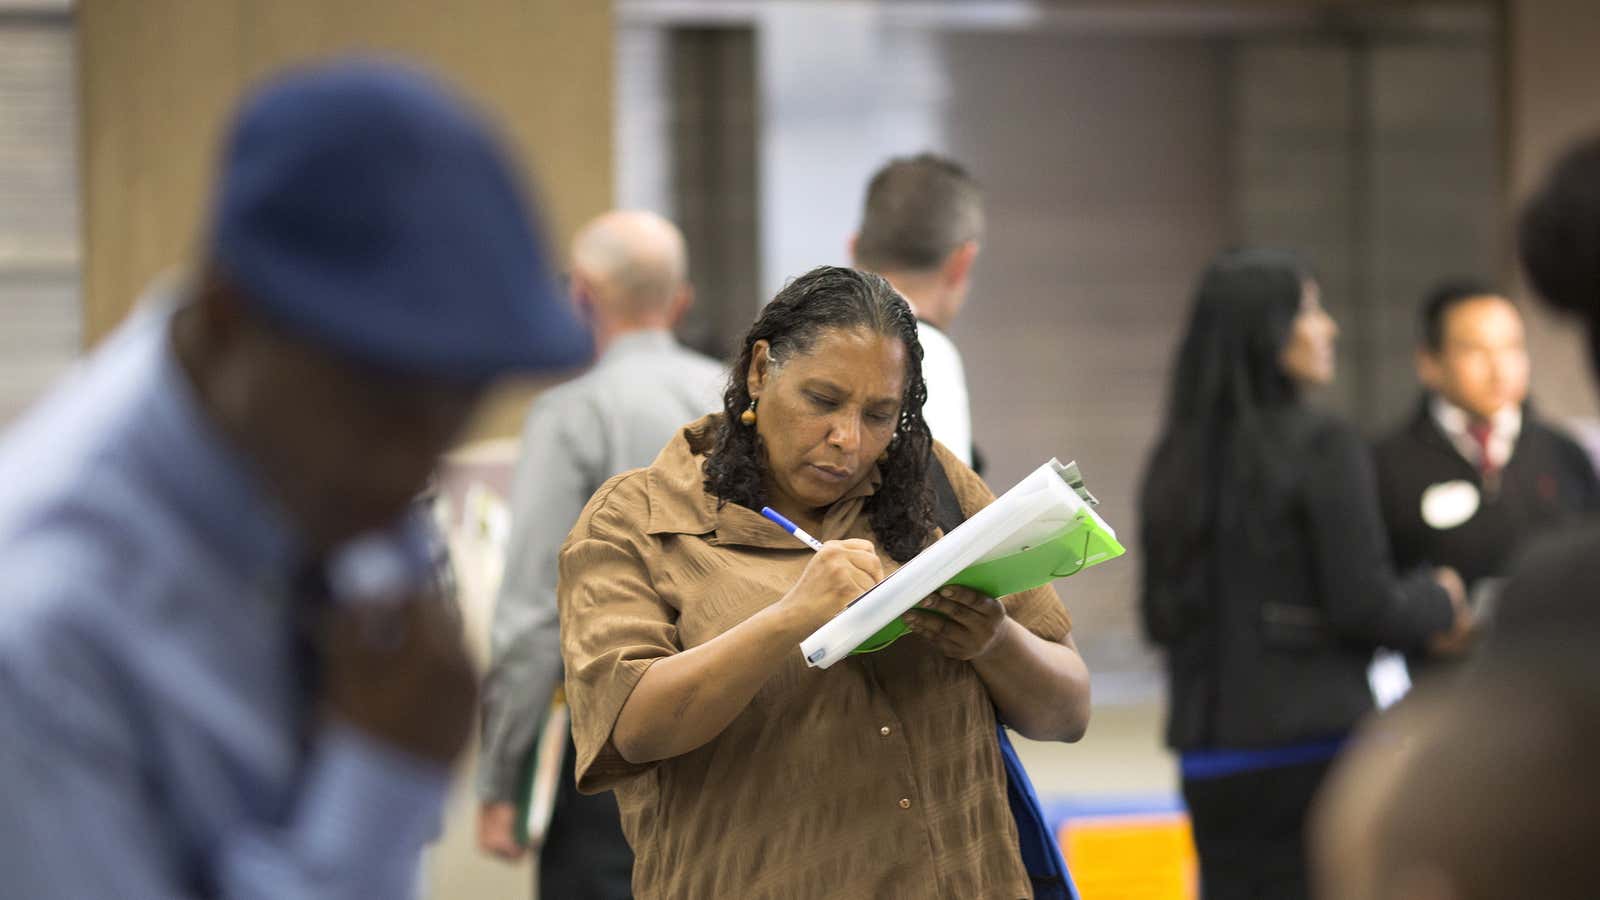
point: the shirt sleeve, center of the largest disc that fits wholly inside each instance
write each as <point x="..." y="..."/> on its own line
<point x="614" y="625"/>
<point x="1039" y="610"/>
<point x="556" y="473"/>
<point x="80" y="819"/>
<point x="1362" y="596"/>
<point x="364" y="817"/>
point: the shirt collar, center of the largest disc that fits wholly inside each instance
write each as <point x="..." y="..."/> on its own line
<point x="1505" y="428"/>
<point x="634" y="342"/>
<point x="1453" y="420"/>
<point x="680" y="504"/>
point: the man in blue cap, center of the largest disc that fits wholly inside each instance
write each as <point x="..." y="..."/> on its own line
<point x="220" y="673"/>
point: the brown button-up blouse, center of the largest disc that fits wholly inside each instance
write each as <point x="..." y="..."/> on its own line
<point x="879" y="777"/>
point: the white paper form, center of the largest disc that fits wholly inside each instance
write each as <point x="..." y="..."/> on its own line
<point x="1039" y="506"/>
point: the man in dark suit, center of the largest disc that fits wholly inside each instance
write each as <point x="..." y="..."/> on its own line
<point x="1475" y="472"/>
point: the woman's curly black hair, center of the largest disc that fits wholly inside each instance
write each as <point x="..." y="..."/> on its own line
<point x="828" y="297"/>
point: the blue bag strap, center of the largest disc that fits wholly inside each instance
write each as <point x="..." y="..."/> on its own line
<point x="1041" y="855"/>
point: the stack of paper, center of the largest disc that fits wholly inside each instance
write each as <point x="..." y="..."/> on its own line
<point x="1040" y="530"/>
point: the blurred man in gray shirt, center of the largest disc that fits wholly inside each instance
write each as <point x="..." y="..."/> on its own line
<point x="629" y="276"/>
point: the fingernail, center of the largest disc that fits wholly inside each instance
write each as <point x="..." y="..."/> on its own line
<point x="947" y="593"/>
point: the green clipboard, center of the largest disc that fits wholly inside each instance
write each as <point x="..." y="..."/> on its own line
<point x="1083" y="543"/>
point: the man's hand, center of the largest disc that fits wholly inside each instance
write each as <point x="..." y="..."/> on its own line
<point x="401" y="674"/>
<point x="497" y="831"/>
<point x="1463" y="626"/>
<point x="960" y="622"/>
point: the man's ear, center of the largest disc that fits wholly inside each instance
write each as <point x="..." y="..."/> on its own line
<point x="1430" y="369"/>
<point x="220" y="344"/>
<point x="957" y="265"/>
<point x="583" y="297"/>
<point x="680" y="305"/>
<point x="755" y="380"/>
<point x="851" y="244"/>
<point x="218" y="315"/>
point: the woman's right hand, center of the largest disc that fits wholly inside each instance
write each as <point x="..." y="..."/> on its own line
<point x="688" y="698"/>
<point x="839" y="573"/>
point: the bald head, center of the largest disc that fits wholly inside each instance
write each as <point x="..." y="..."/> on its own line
<point x="1481" y="789"/>
<point x="631" y="267"/>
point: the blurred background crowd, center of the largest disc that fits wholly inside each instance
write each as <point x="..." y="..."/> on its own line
<point x="1121" y="153"/>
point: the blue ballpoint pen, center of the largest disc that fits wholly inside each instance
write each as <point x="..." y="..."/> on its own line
<point x="791" y="527"/>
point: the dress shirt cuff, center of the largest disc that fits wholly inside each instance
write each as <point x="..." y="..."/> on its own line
<point x="497" y="782"/>
<point x="365" y="801"/>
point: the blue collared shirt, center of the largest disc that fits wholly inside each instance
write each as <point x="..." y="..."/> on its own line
<point x="149" y="710"/>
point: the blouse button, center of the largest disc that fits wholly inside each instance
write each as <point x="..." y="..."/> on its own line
<point x="905" y="802"/>
<point x="885" y="730"/>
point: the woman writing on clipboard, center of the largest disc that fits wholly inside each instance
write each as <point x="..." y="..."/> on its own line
<point x="740" y="771"/>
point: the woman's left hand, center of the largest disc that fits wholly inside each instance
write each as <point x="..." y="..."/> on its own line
<point x="968" y="624"/>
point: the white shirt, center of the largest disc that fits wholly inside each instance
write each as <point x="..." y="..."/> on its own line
<point x="1504" y="429"/>
<point x="947" y="411"/>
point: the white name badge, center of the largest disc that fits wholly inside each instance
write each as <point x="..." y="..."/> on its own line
<point x="1449" y="504"/>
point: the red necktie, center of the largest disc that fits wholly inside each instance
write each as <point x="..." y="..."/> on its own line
<point x="1481" y="432"/>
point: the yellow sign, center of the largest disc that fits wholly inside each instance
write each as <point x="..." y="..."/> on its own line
<point x="1131" y="857"/>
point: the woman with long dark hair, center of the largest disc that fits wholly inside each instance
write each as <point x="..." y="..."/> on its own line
<point x="741" y="772"/>
<point x="1267" y="579"/>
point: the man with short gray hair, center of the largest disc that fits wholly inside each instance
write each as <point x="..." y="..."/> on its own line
<point x="920" y="228"/>
<point x="630" y="279"/>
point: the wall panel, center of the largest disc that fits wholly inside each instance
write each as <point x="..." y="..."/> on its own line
<point x="159" y="77"/>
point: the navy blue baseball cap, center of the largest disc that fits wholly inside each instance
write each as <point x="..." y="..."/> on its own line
<point x="365" y="207"/>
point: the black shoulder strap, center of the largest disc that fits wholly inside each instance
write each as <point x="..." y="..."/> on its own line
<point x="946" y="508"/>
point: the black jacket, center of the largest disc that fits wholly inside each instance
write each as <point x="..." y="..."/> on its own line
<point x="1548" y="483"/>
<point x="1291" y="609"/>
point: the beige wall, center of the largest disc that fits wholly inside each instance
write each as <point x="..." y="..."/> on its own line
<point x="1552" y="76"/>
<point x="158" y="78"/>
